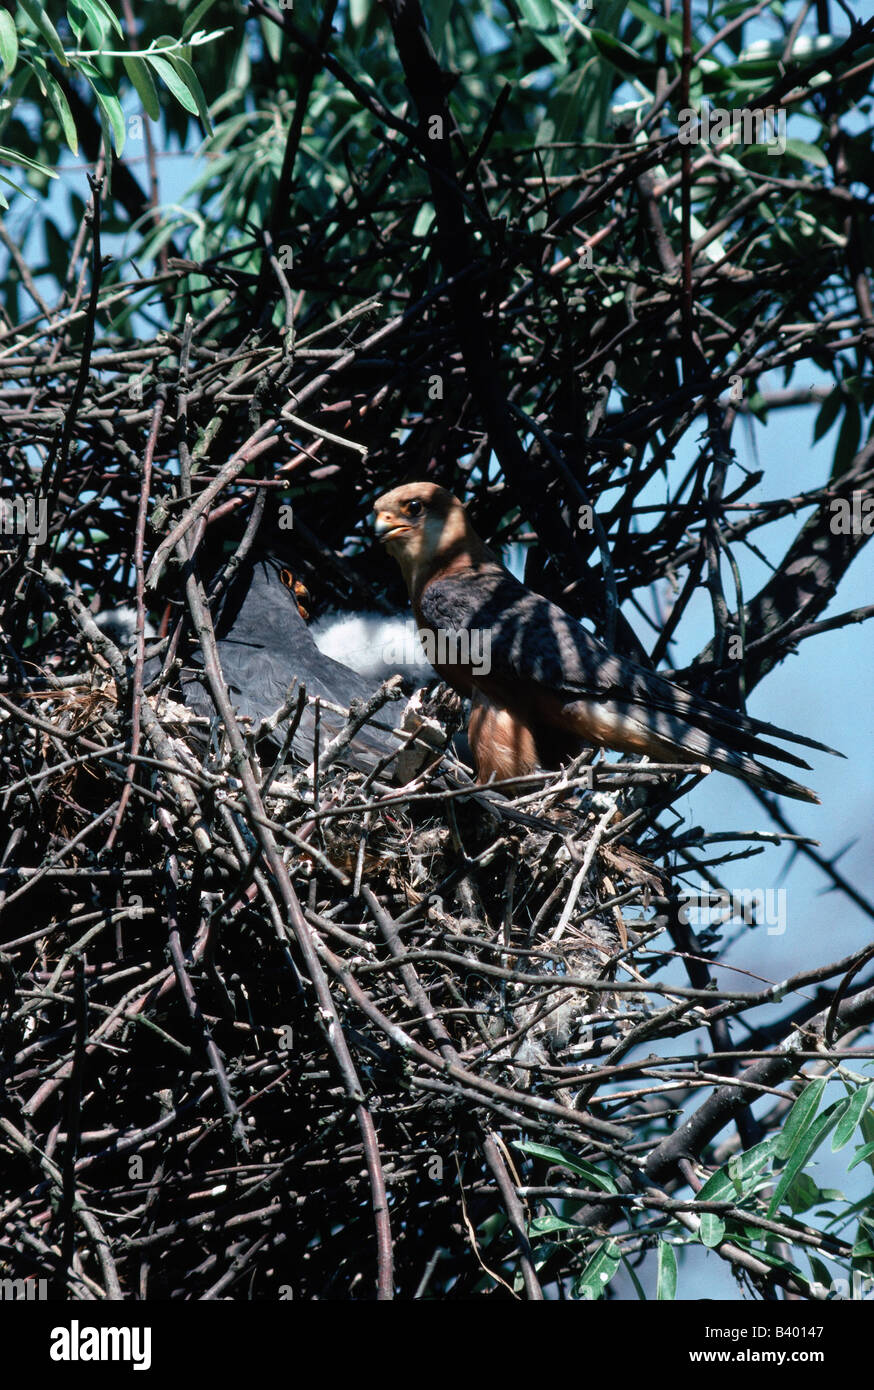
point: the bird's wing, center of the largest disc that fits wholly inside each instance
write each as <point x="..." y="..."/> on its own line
<point x="544" y="664"/>
<point x="264" y="644"/>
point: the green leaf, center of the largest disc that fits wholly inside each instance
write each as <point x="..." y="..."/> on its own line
<point x="59" y="101"/>
<point x="744" y="1168"/>
<point x="855" y="387"/>
<point x="8" y="43"/>
<point x="272" y="36"/>
<point x="862" y="1155"/>
<point x="859" y="1102"/>
<point x="718" y="1188"/>
<point x="541" y="19"/>
<point x="110" y="106"/>
<point x="183" y="82"/>
<point x="821" y="1272"/>
<point x="58" y="248"/>
<point x="621" y="56"/>
<point x="848" y="438"/>
<point x="137" y="70"/>
<point x="671" y="27"/>
<point x="666" y="1281"/>
<point x="110" y="15"/>
<point x="764" y="54"/>
<point x="195" y="17"/>
<point x="77" y="18"/>
<point x="12" y="157"/>
<point x="804" y="1193"/>
<point x="575" y="1165"/>
<point x="39" y="17"/>
<point x="711" y="1230"/>
<point x="828" y="413"/>
<point x="863" y="1249"/>
<point x="88" y="21"/>
<point x="638" y="1287"/>
<point x="805" y="1145"/>
<point x="545" y="1225"/>
<point x="598" y="1272"/>
<point x="10" y="183"/>
<point x="424" y="220"/>
<point x="799" y="1118"/>
<point x="753" y="1247"/>
<point x="171" y="79"/>
<point x="812" y="154"/>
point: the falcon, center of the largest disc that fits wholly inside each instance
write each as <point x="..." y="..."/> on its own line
<point x="542" y="688"/>
<point x="264" y="644"/>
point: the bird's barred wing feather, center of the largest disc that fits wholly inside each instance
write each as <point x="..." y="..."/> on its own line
<point x="538" y="653"/>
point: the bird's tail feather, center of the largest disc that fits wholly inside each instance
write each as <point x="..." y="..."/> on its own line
<point x="714" y="747"/>
<point x="768" y="778"/>
<point x="724" y="722"/>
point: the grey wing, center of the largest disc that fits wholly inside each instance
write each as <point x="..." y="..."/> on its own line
<point x="263" y="645"/>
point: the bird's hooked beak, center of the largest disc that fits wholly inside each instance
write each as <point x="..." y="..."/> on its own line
<point x="388" y="525"/>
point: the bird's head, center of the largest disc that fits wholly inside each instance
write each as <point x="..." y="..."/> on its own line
<point x="424" y="528"/>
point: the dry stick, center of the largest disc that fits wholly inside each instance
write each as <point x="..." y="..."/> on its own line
<point x="151" y="724"/>
<point x="443" y="1040"/>
<point x="151" y="991"/>
<point x="250" y="535"/>
<point x="110" y="1024"/>
<point x="186" y="989"/>
<point x="597" y="1130"/>
<point x="591" y="849"/>
<point x="495" y="1160"/>
<point x="720" y="1108"/>
<point x="304" y="85"/>
<point x="138" y="696"/>
<point x="327" y="1010"/>
<point x="56" y="858"/>
<point x="57" y="459"/>
<point x="360" y="711"/>
<point x="353" y="938"/>
<point x="87" y="1217"/>
<point x="258" y="443"/>
<point x="427" y="86"/>
<point x="73" y="1118"/>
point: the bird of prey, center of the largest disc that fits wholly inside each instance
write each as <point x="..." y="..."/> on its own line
<point x="263" y="645"/>
<point x="542" y="687"/>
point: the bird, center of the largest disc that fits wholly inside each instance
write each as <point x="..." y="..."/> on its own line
<point x="376" y="645"/>
<point x="543" y="688"/>
<point x="264" y="644"/>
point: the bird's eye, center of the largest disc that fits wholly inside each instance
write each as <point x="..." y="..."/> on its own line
<point x="287" y="578"/>
<point x="414" y="508"/>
